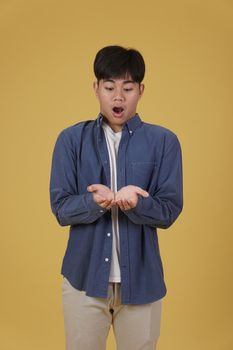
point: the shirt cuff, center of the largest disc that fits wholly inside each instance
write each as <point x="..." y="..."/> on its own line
<point x="143" y="205"/>
<point x="137" y="208"/>
<point x="92" y="205"/>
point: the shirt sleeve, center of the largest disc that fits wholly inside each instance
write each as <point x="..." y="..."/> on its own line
<point x="163" y="207"/>
<point x="67" y="205"/>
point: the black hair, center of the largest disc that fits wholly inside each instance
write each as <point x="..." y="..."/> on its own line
<point x="119" y="62"/>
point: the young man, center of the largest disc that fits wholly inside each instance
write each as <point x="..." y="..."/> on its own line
<point x="114" y="181"/>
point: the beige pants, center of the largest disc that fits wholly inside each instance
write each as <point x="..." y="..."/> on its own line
<point x="88" y="320"/>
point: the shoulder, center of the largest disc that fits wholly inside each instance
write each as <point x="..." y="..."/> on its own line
<point x="71" y="136"/>
<point x="74" y="131"/>
<point x="159" y="131"/>
<point x="161" y="138"/>
<point x="77" y="127"/>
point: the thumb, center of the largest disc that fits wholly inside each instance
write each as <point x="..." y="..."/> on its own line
<point x="91" y="188"/>
<point x="142" y="192"/>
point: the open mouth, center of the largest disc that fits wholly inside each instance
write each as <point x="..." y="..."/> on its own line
<point x="118" y="110"/>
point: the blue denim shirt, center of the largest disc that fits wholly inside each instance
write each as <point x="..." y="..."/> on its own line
<point x="149" y="156"/>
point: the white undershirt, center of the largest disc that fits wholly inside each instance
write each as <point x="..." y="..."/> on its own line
<point x="113" y="140"/>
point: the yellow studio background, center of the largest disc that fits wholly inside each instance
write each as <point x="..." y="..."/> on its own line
<point x="47" y="52"/>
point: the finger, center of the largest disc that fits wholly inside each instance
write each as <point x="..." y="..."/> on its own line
<point x="118" y="202"/>
<point x="110" y="205"/>
<point x="106" y="204"/>
<point x="125" y="204"/>
<point x="131" y="204"/>
<point x="102" y="200"/>
<point x="113" y="202"/>
<point x="120" y="205"/>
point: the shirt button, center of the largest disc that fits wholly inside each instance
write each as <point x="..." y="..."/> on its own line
<point x="101" y="211"/>
<point x="130" y="131"/>
<point x="106" y="259"/>
<point x="108" y="234"/>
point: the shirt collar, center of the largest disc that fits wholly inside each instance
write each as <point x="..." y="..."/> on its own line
<point x="130" y="125"/>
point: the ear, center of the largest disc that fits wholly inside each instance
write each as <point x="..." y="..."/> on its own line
<point x="95" y="87"/>
<point x="141" y="89"/>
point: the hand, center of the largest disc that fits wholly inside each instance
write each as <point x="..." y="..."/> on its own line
<point x="102" y="195"/>
<point x="127" y="197"/>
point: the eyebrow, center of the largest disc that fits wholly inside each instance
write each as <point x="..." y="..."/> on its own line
<point x="124" y="82"/>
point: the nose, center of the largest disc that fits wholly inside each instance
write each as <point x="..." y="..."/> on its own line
<point x="118" y="95"/>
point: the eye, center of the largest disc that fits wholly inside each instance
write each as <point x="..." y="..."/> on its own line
<point x="128" y="89"/>
<point x="108" y="88"/>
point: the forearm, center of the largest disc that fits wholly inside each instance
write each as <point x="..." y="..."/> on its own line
<point x="74" y="209"/>
<point x="154" y="212"/>
<point x="67" y="204"/>
<point x="165" y="202"/>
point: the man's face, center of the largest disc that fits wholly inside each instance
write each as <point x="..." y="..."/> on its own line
<point x="118" y="100"/>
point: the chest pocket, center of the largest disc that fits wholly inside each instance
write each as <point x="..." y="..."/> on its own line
<point x="142" y="174"/>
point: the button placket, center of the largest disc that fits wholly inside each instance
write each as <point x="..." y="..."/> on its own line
<point x="121" y="182"/>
